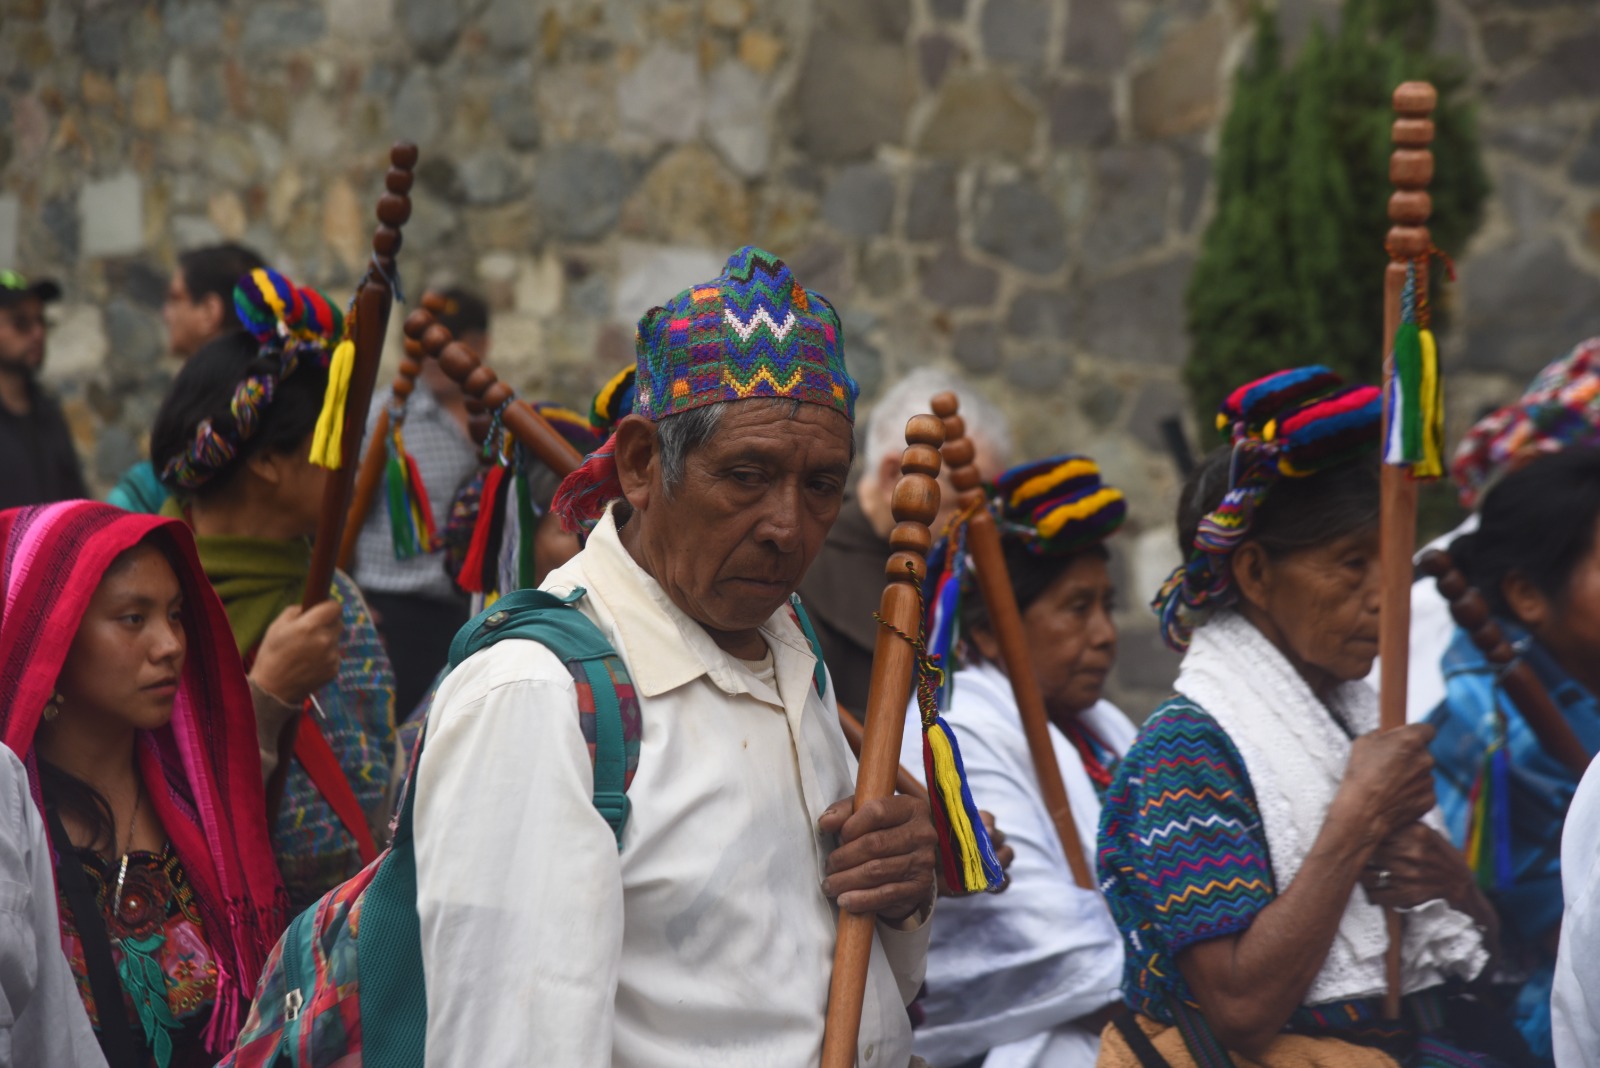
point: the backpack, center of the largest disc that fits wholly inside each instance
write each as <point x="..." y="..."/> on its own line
<point x="344" y="984"/>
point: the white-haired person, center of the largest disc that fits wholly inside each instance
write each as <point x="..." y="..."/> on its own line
<point x="841" y="590"/>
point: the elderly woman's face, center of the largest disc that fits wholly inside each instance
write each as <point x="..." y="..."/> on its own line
<point x="1318" y="605"/>
<point x="736" y="536"/>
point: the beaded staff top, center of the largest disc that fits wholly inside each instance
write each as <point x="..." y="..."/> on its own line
<point x="1290" y="424"/>
<point x="298" y="326"/>
<point x="1561" y="408"/>
<point x="753" y="331"/>
<point x="1057" y="506"/>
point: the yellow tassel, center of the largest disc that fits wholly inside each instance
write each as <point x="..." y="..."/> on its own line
<point x="326" y="443"/>
<point x="947" y="780"/>
<point x="1432" y="463"/>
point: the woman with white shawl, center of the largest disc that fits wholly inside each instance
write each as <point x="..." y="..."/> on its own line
<point x="1025" y="979"/>
<point x="1259" y="827"/>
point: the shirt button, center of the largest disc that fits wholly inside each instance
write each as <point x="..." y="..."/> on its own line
<point x="867" y="1053"/>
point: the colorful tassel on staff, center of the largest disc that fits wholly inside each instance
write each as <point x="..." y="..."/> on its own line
<point x="1414" y="437"/>
<point x="1489" y="837"/>
<point x="966" y="855"/>
<point x="327" y="449"/>
<point x="476" y="576"/>
<point x="411" y="525"/>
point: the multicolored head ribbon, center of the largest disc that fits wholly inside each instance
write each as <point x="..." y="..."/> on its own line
<point x="1289" y="424"/>
<point x="1414" y="436"/>
<point x="1057" y="506"/>
<point x="286" y="320"/>
<point x="614" y="401"/>
<point x="753" y="332"/>
<point x="1560" y="409"/>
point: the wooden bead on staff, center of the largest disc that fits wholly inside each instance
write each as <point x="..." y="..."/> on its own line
<point x="915" y="503"/>
<point x="994" y="586"/>
<point x="1471" y="613"/>
<point x="1408" y="241"/>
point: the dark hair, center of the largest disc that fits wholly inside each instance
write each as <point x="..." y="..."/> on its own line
<point x="466" y="313"/>
<point x="1297" y="513"/>
<point x="204" y="390"/>
<point x="1538" y="522"/>
<point x="216" y="269"/>
<point x="1031" y="576"/>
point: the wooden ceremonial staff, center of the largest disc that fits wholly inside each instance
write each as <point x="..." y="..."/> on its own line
<point x="426" y="336"/>
<point x="373" y="300"/>
<point x="994" y="585"/>
<point x="481" y="384"/>
<point x="904" y="782"/>
<point x="1471" y="613"/>
<point x="1408" y="242"/>
<point x="915" y="503"/>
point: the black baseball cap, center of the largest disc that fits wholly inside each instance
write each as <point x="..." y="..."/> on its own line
<point x="14" y="288"/>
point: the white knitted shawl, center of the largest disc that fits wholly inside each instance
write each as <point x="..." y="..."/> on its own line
<point x="1295" y="755"/>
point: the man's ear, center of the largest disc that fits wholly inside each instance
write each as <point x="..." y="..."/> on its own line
<point x="888" y="478"/>
<point x="638" y="460"/>
<point x="1526" y="601"/>
<point x="1252" y="573"/>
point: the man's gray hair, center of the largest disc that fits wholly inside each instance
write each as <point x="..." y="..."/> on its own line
<point x="679" y="435"/>
<point x="886" y="426"/>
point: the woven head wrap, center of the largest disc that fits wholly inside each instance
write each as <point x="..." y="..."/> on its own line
<point x="1290" y="424"/>
<point x="1561" y="408"/>
<point x="1057" y="506"/>
<point x="296" y="325"/>
<point x="752" y="332"/>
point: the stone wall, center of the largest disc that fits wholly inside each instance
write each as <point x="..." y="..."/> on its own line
<point x="1012" y="187"/>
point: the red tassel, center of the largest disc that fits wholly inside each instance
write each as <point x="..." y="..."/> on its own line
<point x="426" y="527"/>
<point x="583" y="495"/>
<point x="471" y="577"/>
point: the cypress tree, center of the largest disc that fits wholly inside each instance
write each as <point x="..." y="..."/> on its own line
<point x="1291" y="267"/>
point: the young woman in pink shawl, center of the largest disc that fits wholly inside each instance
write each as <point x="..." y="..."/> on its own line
<point x="121" y="690"/>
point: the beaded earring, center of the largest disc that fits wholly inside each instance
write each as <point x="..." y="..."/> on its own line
<point x="52" y="708"/>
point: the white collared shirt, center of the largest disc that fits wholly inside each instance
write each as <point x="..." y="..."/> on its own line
<point x="707" y="941"/>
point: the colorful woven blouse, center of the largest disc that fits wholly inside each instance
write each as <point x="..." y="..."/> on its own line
<point x="158" y="921"/>
<point x="1184" y="859"/>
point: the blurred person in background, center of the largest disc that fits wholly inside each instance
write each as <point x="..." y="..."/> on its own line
<point x="842" y="588"/>
<point x="40" y="463"/>
<point x="416" y="606"/>
<point x="198" y="308"/>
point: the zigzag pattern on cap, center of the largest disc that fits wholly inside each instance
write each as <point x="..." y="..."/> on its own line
<point x="754" y="331"/>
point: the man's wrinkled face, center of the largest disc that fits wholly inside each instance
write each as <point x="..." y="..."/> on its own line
<point x="22" y="331"/>
<point x="733" y="539"/>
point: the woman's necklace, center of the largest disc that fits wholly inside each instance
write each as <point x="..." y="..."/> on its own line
<point x="122" y="870"/>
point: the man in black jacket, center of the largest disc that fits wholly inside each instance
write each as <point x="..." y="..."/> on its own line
<point x="38" y="462"/>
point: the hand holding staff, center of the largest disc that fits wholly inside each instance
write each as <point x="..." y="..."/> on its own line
<point x="1408" y="244"/>
<point x="916" y="502"/>
<point x="994" y="585"/>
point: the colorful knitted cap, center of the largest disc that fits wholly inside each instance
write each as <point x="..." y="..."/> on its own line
<point x="571" y="425"/>
<point x="1290" y="424"/>
<point x="1561" y="408"/>
<point x="1059" y="505"/>
<point x="753" y="331"/>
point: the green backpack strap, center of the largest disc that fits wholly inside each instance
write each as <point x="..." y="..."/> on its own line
<point x="819" y="677"/>
<point x="608" y="708"/>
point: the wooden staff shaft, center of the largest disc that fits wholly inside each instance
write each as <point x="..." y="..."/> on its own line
<point x="994" y="586"/>
<point x="367" y="481"/>
<point x="916" y="502"/>
<point x="1408" y="241"/>
<point x="904" y="782"/>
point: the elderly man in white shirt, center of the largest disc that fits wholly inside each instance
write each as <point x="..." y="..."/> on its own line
<point x="707" y="939"/>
